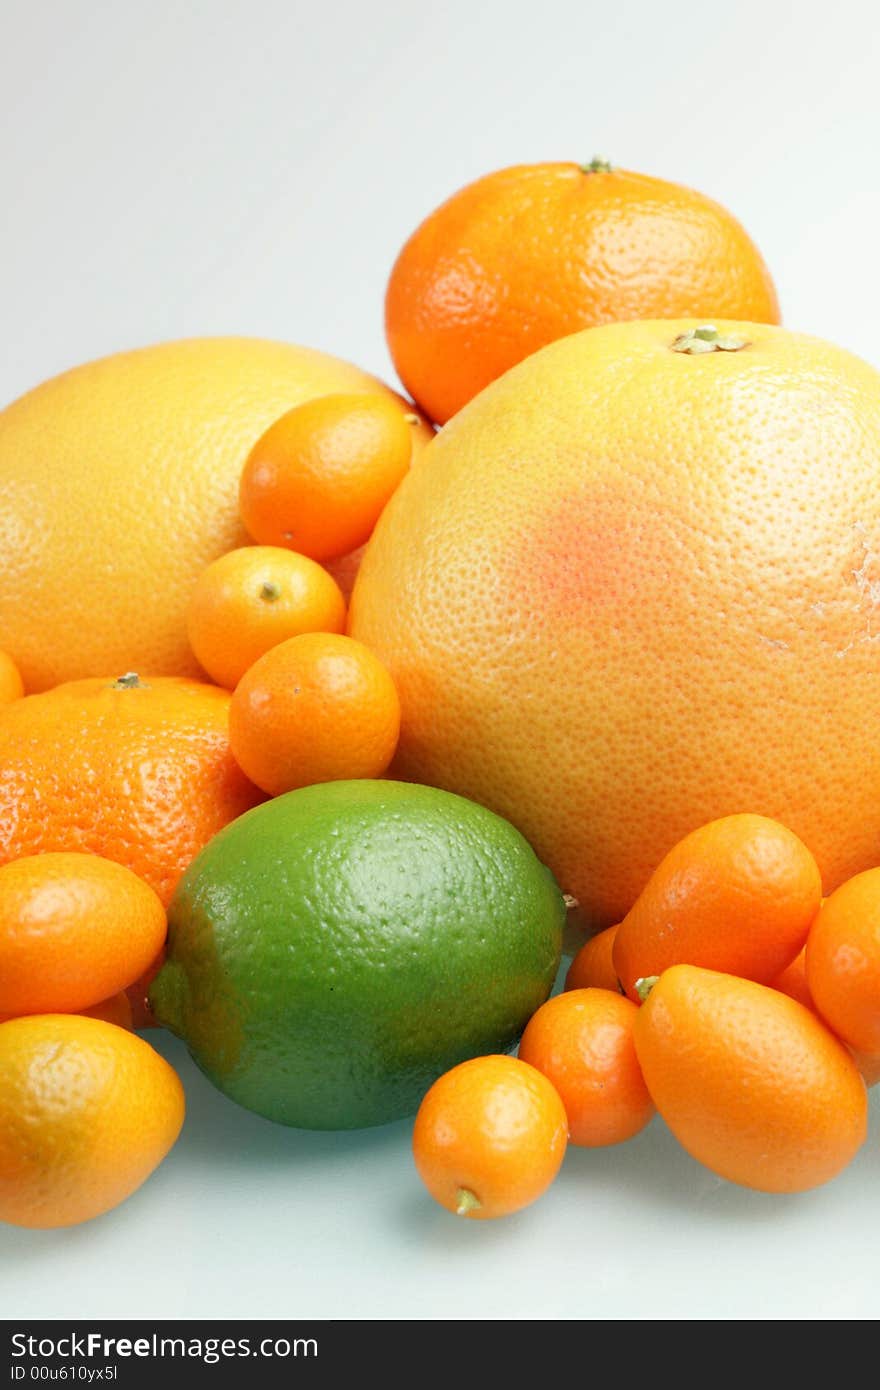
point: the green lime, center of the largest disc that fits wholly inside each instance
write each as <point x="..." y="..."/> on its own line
<point x="333" y="951"/>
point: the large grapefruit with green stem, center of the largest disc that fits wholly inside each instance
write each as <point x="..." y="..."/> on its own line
<point x="634" y="587"/>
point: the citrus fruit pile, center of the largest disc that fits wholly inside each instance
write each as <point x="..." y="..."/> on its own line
<point x="322" y="710"/>
<point x="87" y="1108"/>
<point x="730" y="998"/>
<point x="110" y="788"/>
<point x="684" y="547"/>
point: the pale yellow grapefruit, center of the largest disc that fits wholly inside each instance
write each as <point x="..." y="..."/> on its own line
<point x="635" y="586"/>
<point x="119" y="483"/>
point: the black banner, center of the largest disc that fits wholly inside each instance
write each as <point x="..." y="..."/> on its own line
<point x="133" y="1354"/>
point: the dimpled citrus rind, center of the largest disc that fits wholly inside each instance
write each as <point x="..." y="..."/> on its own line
<point x="119" y="484"/>
<point x="632" y="589"/>
<point x="335" y="951"/>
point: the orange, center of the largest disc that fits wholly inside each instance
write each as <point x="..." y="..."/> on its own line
<point x="317" y="708"/>
<point x="631" y="589"/>
<point x="117" y="1009"/>
<point x="532" y="253"/>
<point x="11" y="687"/>
<point x="736" y="895"/>
<point x="750" y="1082"/>
<point x="119" y="484"/>
<point x="868" y="1064"/>
<point x="843" y="961"/>
<point x="318" y="478"/>
<point x="74" y="929"/>
<point x="489" y="1137"/>
<point x="87" y="1111"/>
<point x="593" y="966"/>
<point x="139" y="771"/>
<point x="250" y="600"/>
<point x="582" y="1041"/>
<point x="793" y="982"/>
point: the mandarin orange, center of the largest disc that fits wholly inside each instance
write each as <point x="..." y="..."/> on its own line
<point x="489" y="1137"/>
<point x="593" y="966"/>
<point x="582" y="1041"/>
<point x="532" y="253"/>
<point x="138" y="770"/>
<point x="316" y="708"/>
<point x="251" y="599"/>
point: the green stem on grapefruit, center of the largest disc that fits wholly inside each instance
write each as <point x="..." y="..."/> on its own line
<point x="466" y="1202"/>
<point x="597" y="165"/>
<point x="706" y="338"/>
<point x="270" y="591"/>
<point x="644" y="984"/>
<point x="130" y="681"/>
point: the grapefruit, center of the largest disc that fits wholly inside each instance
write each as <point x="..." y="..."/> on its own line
<point x="635" y="587"/>
<point x="119" y="484"/>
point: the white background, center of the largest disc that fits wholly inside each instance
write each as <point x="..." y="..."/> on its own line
<point x="216" y="167"/>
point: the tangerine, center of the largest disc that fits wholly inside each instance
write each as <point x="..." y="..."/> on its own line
<point x="317" y="708"/>
<point x="250" y="600"/>
<point x="489" y="1137"/>
<point x="532" y="253"/>
<point x="582" y="1041"/>
<point x="137" y="770"/>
